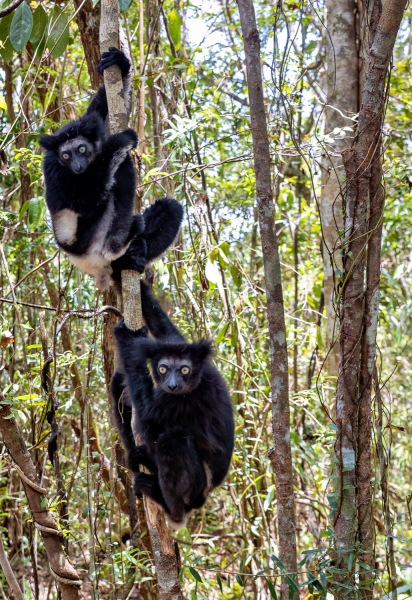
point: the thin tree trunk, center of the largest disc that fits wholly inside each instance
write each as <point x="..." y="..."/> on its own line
<point x="9" y="573"/>
<point x="63" y="572"/>
<point x="88" y="22"/>
<point x="163" y="546"/>
<point x="359" y="306"/>
<point x="342" y="65"/>
<point x="280" y="455"/>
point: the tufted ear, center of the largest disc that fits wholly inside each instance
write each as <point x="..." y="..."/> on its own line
<point x="201" y="350"/>
<point x="49" y="142"/>
<point x="92" y="127"/>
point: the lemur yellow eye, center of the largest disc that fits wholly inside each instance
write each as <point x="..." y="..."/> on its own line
<point x="162" y="370"/>
<point x="185" y="370"/>
<point x="82" y="149"/>
<point x="66" y="155"/>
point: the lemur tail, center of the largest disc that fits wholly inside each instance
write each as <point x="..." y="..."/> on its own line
<point x="162" y="222"/>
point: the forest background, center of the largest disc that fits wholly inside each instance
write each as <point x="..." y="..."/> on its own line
<point x="192" y="109"/>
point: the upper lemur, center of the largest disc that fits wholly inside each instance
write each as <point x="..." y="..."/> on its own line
<point x="90" y="188"/>
<point x="184" y="418"/>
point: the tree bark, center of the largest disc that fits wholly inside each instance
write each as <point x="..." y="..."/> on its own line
<point x="63" y="572"/>
<point x="88" y="22"/>
<point x="280" y="455"/>
<point x="359" y="306"/>
<point x="163" y="546"/>
<point x="342" y="65"/>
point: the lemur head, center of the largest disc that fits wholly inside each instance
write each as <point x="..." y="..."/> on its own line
<point x="178" y="367"/>
<point x="77" y="143"/>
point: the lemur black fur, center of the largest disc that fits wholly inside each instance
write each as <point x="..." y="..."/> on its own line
<point x="90" y="187"/>
<point x="183" y="413"/>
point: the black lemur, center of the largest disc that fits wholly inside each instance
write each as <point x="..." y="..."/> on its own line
<point x="183" y="418"/>
<point x="90" y="187"/>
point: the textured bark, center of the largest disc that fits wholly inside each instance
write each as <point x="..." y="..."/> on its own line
<point x="280" y="455"/>
<point x="342" y="65"/>
<point x="88" y="22"/>
<point x="360" y="303"/>
<point x="9" y="573"/>
<point x="364" y="465"/>
<point x="163" y="546"/>
<point x="109" y="36"/>
<point x="93" y="433"/>
<point x="62" y="571"/>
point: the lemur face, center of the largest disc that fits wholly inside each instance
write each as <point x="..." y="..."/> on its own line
<point x="77" y="154"/>
<point x="174" y="374"/>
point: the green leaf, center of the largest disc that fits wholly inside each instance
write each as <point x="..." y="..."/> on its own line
<point x="58" y="32"/>
<point x="6" y="49"/>
<point x="222" y="333"/>
<point x="39" y="25"/>
<point x="35" y="213"/>
<point x="21" y="26"/>
<point x="195" y="574"/>
<point x="124" y="5"/>
<point x="292" y="585"/>
<point x="272" y="589"/>
<point x="175" y="27"/>
<point x="240" y="580"/>
<point x="219" y="582"/>
<point x="278" y="562"/>
<point x="399" y="590"/>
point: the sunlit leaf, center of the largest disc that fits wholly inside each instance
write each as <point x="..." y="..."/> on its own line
<point x="6" y="48"/>
<point x="212" y="272"/>
<point x="35" y="213"/>
<point x="175" y="27"/>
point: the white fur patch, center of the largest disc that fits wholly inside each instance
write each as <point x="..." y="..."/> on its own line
<point x="117" y="159"/>
<point x="65" y="226"/>
<point x="175" y="525"/>
<point x="111" y="256"/>
<point x="95" y="265"/>
<point x="209" y="478"/>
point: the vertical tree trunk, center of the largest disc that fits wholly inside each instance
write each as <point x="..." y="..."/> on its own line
<point x="88" y="22"/>
<point x="63" y="572"/>
<point x="342" y="65"/>
<point x="359" y="305"/>
<point x="163" y="547"/>
<point x="280" y="455"/>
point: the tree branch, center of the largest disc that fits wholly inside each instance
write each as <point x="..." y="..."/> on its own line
<point x="12" y="6"/>
<point x="63" y="572"/>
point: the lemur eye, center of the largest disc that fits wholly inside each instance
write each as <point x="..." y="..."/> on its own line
<point x="65" y="155"/>
<point x="162" y="369"/>
<point x="82" y="149"/>
<point x="185" y="370"/>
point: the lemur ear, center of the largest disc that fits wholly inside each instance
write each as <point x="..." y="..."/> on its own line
<point x="49" y="142"/>
<point x="92" y="127"/>
<point x="201" y="350"/>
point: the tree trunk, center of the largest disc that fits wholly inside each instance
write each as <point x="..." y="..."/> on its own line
<point x="163" y="546"/>
<point x="280" y="455"/>
<point x="359" y="307"/>
<point x="342" y="65"/>
<point x="63" y="572"/>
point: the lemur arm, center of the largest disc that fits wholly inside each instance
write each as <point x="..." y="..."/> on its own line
<point x="122" y="413"/>
<point x="134" y="349"/>
<point x="159" y="324"/>
<point x="110" y="58"/>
